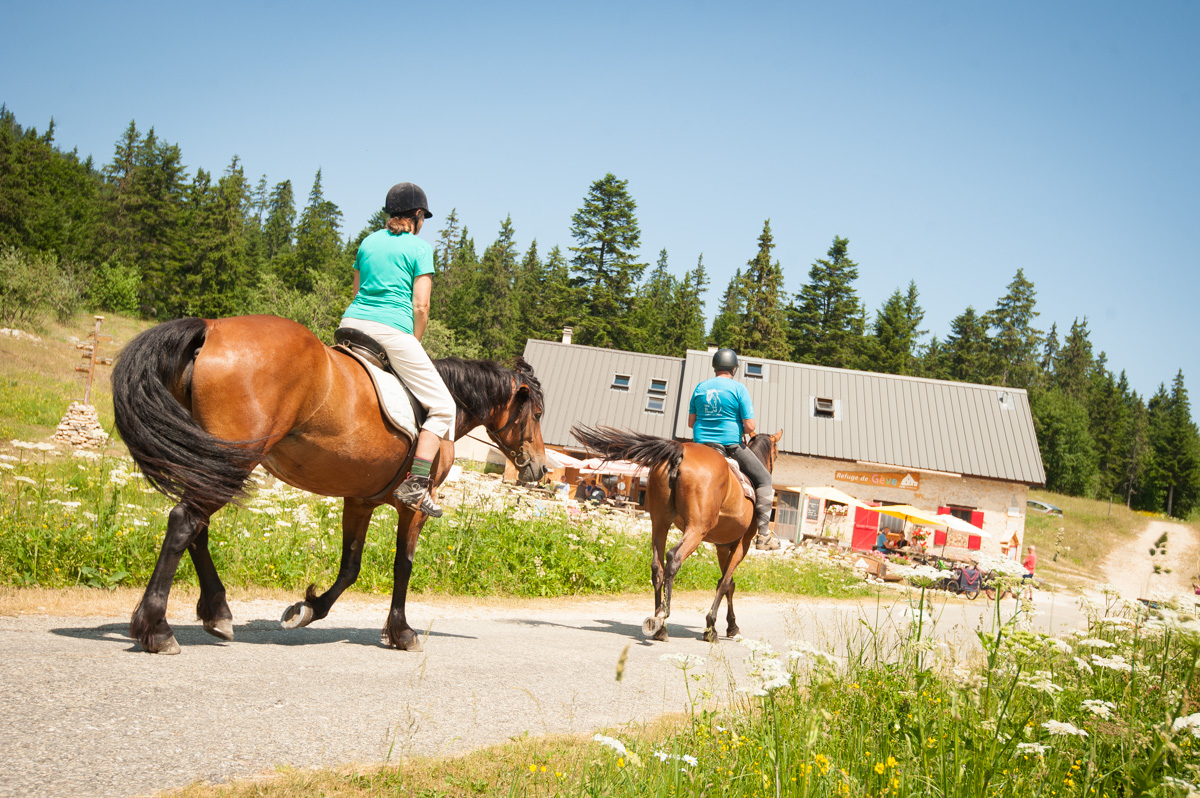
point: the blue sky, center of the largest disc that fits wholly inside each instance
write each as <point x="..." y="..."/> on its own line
<point x="951" y="143"/>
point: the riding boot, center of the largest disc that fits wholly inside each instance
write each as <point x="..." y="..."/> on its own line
<point x="417" y="493"/>
<point x="763" y="499"/>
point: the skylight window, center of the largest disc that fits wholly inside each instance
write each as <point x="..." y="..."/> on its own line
<point x="754" y="370"/>
<point x="620" y="382"/>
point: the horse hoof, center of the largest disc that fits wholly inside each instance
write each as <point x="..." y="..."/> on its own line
<point x="651" y="627"/>
<point x="710" y="635"/>
<point x="408" y="641"/>
<point x="168" y="646"/>
<point x="732" y="631"/>
<point x="221" y="628"/>
<point x="297" y="615"/>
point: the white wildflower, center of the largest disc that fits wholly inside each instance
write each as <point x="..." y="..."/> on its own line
<point x="1101" y="709"/>
<point x="1095" y="642"/>
<point x="800" y="649"/>
<point x="26" y="480"/>
<point x="22" y="444"/>
<point x="1040" y="681"/>
<point x="7" y="466"/>
<point x="1109" y="590"/>
<point x="683" y="661"/>
<point x="691" y="760"/>
<point x="611" y="742"/>
<point x="1114" y="663"/>
<point x="1189" y="722"/>
<point x="1032" y="748"/>
<point x="8" y="458"/>
<point x="757" y="647"/>
<point x="1063" y="729"/>
<point x="1061" y="646"/>
<point x="1083" y="665"/>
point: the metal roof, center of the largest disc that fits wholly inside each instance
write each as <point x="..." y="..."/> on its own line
<point x="885" y="419"/>
<point x="878" y="419"/>
<point x="578" y="383"/>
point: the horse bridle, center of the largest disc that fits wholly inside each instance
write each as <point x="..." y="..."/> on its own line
<point x="518" y="456"/>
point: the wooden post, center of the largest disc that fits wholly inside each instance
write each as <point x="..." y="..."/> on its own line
<point x="90" y="355"/>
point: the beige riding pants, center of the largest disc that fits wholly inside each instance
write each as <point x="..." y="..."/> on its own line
<point x="408" y="359"/>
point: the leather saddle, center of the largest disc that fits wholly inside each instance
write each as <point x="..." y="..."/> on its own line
<point x="401" y="411"/>
<point x="743" y="480"/>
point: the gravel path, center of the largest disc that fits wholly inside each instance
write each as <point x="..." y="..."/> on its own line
<point x="1131" y="568"/>
<point x="87" y="714"/>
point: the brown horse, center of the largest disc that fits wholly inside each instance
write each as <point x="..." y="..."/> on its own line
<point x="691" y="485"/>
<point x="201" y="402"/>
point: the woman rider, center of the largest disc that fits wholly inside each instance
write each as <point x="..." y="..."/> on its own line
<point x="393" y="276"/>
<point x="720" y="412"/>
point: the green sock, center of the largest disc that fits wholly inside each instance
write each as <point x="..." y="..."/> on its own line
<point x="420" y="467"/>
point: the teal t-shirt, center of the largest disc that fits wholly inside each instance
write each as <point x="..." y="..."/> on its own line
<point x="720" y="404"/>
<point x="387" y="267"/>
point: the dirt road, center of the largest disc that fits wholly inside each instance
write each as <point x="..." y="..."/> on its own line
<point x="86" y="714"/>
<point x="1131" y="568"/>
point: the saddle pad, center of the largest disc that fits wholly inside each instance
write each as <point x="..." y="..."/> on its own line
<point x="747" y="486"/>
<point x="396" y="402"/>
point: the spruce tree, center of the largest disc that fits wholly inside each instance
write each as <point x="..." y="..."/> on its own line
<point x="1016" y="342"/>
<point x="896" y="332"/>
<point x="219" y="279"/>
<point x="1073" y="365"/>
<point x="447" y="241"/>
<point x="1174" y="474"/>
<point x="605" y="265"/>
<point x="496" y="325"/>
<point x="765" y="323"/>
<point x="826" y="317"/>
<point x="318" y="243"/>
<point x="281" y="220"/>
<point x="727" y="330"/>
<point x="967" y="352"/>
<point x="650" y="321"/>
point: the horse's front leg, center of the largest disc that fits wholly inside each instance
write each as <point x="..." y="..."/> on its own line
<point x="724" y="553"/>
<point x="356" y="519"/>
<point x="656" y="627"/>
<point x="729" y="564"/>
<point x="396" y="632"/>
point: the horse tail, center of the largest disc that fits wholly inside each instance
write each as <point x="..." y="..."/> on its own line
<point x="177" y="456"/>
<point x="648" y="450"/>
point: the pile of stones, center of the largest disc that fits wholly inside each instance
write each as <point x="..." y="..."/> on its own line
<point x="80" y="428"/>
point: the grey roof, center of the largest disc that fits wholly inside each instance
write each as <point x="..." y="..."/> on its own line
<point x="578" y="385"/>
<point x="907" y="422"/>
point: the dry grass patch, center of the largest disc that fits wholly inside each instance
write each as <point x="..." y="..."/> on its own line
<point x="1072" y="548"/>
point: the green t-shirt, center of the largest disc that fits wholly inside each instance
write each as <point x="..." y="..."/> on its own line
<point x="387" y="267"/>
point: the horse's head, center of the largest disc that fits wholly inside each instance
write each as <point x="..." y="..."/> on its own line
<point x="517" y="427"/>
<point x="766" y="447"/>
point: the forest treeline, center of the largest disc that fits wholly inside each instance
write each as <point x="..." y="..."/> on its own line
<point x="141" y="235"/>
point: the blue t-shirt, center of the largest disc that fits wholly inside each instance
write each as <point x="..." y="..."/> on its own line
<point x="387" y="267"/>
<point x="720" y="405"/>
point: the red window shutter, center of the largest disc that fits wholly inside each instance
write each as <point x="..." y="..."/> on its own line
<point x="939" y="537"/>
<point x="974" y="542"/>
<point x="943" y="511"/>
<point x="977" y="518"/>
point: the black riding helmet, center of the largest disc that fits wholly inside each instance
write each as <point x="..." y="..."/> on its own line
<point x="725" y="360"/>
<point x="404" y="197"/>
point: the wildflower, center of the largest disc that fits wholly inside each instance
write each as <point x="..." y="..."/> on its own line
<point x="683" y="661"/>
<point x="25" y="479"/>
<point x="1095" y="642"/>
<point x="1063" y="729"/>
<point x="1101" y="709"/>
<point x="1082" y="664"/>
<point x="7" y="466"/>
<point x="1115" y="663"/>
<point x="1189" y="722"/>
<point x="1040" y="681"/>
<point x="21" y="444"/>
<point x="1061" y="646"/>
<point x="533" y="768"/>
<point x="799" y="649"/>
<point x="1171" y="781"/>
<point x="880" y="767"/>
<point x="611" y="742"/>
<point x="757" y="647"/>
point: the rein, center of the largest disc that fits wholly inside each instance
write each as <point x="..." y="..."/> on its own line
<point x="518" y="456"/>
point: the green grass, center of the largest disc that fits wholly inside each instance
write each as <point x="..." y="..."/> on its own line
<point x="68" y="521"/>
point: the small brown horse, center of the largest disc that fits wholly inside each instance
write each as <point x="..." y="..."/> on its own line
<point x="691" y="485"/>
<point x="201" y="402"/>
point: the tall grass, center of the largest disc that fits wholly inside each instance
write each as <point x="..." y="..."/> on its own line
<point x="93" y="521"/>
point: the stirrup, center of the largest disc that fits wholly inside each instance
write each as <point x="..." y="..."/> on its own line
<point x="417" y="493"/>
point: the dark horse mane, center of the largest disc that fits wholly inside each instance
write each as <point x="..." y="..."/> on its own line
<point x="478" y="386"/>
<point x="760" y="445"/>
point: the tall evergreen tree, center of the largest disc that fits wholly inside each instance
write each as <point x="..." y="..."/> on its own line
<point x="765" y="323"/>
<point x="686" y="318"/>
<point x="967" y="351"/>
<point x="649" y="321"/>
<point x="896" y="332"/>
<point x="1050" y="351"/>
<point x="1073" y="366"/>
<point x="1108" y="423"/>
<point x="219" y="278"/>
<point x="318" y="243"/>
<point x="1136" y="446"/>
<point x="1173" y="479"/>
<point x="1016" y="342"/>
<point x="496" y="326"/>
<point x="727" y="327"/>
<point x="605" y="264"/>
<point x="1068" y="452"/>
<point x="826" y="317"/>
<point x="447" y="241"/>
<point x="281" y="220"/>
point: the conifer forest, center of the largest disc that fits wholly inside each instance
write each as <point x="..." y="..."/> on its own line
<point x="142" y="235"/>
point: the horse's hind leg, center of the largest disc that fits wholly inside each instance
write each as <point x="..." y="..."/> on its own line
<point x="149" y="622"/>
<point x="731" y="628"/>
<point x="211" y="608"/>
<point x="396" y="631"/>
<point x="356" y="518"/>
<point x="656" y="627"/>
<point x="725" y="587"/>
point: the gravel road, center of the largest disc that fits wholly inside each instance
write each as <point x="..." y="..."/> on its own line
<point x="87" y="714"/>
<point x="1130" y="568"/>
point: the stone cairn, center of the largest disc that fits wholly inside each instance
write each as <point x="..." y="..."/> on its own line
<point x="80" y="428"/>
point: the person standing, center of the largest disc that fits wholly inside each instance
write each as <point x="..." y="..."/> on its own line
<point x="1029" y="565"/>
<point x="721" y="413"/>
<point x="393" y="280"/>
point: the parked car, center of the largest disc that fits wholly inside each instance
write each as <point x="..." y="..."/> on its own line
<point x="1035" y="506"/>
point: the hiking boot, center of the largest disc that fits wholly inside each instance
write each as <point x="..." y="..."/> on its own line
<point x="766" y="543"/>
<point x="417" y="493"/>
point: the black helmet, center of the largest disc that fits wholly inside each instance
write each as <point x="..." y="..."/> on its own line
<point x="725" y="360"/>
<point x="404" y="197"/>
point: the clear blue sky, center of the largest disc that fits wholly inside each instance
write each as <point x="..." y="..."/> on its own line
<point x="951" y="142"/>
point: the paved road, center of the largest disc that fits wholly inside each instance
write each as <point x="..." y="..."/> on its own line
<point x="86" y="714"/>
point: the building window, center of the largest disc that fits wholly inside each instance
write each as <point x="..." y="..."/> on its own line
<point x="620" y="382"/>
<point x="656" y="396"/>
<point x="961" y="512"/>
<point x="822" y="408"/>
<point x="754" y="370"/>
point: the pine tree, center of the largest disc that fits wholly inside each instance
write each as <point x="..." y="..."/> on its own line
<point x="826" y="317"/>
<point x="1073" y="365"/>
<point x="1016" y="342"/>
<point x="447" y="241"/>
<point x="896" y="331"/>
<point x="765" y="323"/>
<point x="281" y="220"/>
<point x="1068" y="452"/>
<point x="1173" y="478"/>
<point x="650" y="319"/>
<point x="219" y="278"/>
<point x="318" y="245"/>
<point x="727" y="330"/>
<point x="1108" y="423"/>
<point x="605" y="264"/>
<point x="1135" y="452"/>
<point x="967" y="351"/>
<point x="496" y="324"/>
<point x="1050" y="351"/>
<point x="455" y="294"/>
